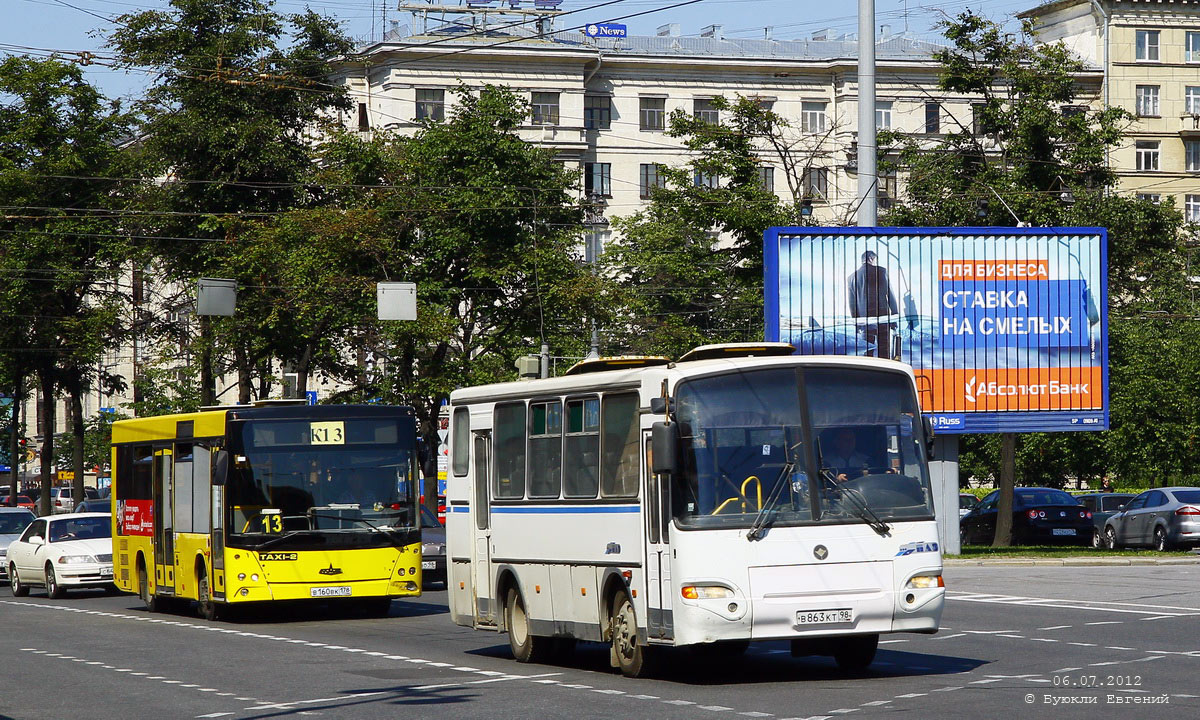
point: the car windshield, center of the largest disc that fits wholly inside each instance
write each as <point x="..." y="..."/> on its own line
<point x="966" y="502"/>
<point x="1112" y="503"/>
<point x="746" y="448"/>
<point x="1187" y="496"/>
<point x="12" y="523"/>
<point x="81" y="528"/>
<point x="364" y="483"/>
<point x="1038" y="498"/>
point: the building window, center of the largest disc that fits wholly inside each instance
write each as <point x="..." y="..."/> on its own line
<point x="933" y="118"/>
<point x="544" y="108"/>
<point x="1191" y="99"/>
<point x="977" y="119"/>
<point x="812" y="117"/>
<point x="1147" y="100"/>
<point x="649" y="179"/>
<point x="706" y="180"/>
<point x="1150" y="197"/>
<point x="1191" y="208"/>
<point x="815" y="182"/>
<point x="703" y="110"/>
<point x="1147" y="155"/>
<point x="883" y="115"/>
<point x="1070" y="111"/>
<point x="885" y="194"/>
<point x="766" y="177"/>
<point x="364" y="122"/>
<point x="652" y="113"/>
<point x="597" y="112"/>
<point x="1192" y="45"/>
<point x="1147" y="45"/>
<point x="1191" y="151"/>
<point x="431" y="105"/>
<point x="764" y="104"/>
<point x="597" y="179"/>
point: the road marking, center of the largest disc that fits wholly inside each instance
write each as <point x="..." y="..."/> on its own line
<point x="889" y="642"/>
<point x="215" y="715"/>
<point x="714" y="708"/>
<point x="1082" y="644"/>
<point x="912" y="695"/>
<point x="1105" y="622"/>
<point x="1007" y="635"/>
<point x="984" y="682"/>
<point x="950" y="637"/>
<point x="876" y="703"/>
<point x="1055" y="627"/>
<point x="1116" y="647"/>
<point x="951" y="688"/>
<point x="1097" y="605"/>
<point x="1066" y="669"/>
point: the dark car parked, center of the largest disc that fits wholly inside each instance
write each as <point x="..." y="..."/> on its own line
<point x="433" y="548"/>
<point x="1040" y="516"/>
<point x="1103" y="506"/>
<point x="1163" y="518"/>
<point x="95" y="505"/>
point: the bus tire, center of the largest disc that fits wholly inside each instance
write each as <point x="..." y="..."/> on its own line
<point x="19" y="589"/>
<point x="206" y="607"/>
<point x="526" y="647"/>
<point x="855" y="653"/>
<point x="152" y="602"/>
<point x="628" y="655"/>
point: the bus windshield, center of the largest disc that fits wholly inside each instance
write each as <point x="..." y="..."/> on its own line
<point x="806" y="445"/>
<point x="342" y="480"/>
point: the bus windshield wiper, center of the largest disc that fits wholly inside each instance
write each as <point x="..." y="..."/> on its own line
<point x="280" y="538"/>
<point x="767" y="511"/>
<point x="862" y="508"/>
<point x="362" y="520"/>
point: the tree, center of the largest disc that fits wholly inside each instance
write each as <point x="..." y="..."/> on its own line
<point x="1026" y="155"/>
<point x="60" y="244"/>
<point x="230" y="123"/>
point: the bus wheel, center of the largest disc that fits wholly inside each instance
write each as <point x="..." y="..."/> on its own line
<point x="151" y="601"/>
<point x="19" y="589"/>
<point x="634" y="660"/>
<point x="205" y="605"/>
<point x="526" y="647"/>
<point x="856" y="652"/>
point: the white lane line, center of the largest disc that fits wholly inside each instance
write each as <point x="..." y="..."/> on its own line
<point x="714" y="708"/>
<point x="1055" y="627"/>
<point x="1116" y="647"/>
<point x="1076" y="604"/>
<point x="1066" y="669"/>
<point x="986" y="632"/>
<point x="1082" y="644"/>
<point x="1044" y="640"/>
<point x="755" y="714"/>
<point x="951" y="688"/>
<point x="890" y="642"/>
<point x="984" y="682"/>
<point x="876" y="703"/>
<point x="950" y="637"/>
<point x="645" y="697"/>
<point x="1018" y="637"/>
<point x="215" y="715"/>
<point x="911" y="695"/>
<point x="1159" y="617"/>
<point x="1105" y="622"/>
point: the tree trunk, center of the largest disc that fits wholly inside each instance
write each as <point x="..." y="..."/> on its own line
<point x="46" y="378"/>
<point x="1008" y="471"/>
<point x="77" y="430"/>
<point x="14" y="440"/>
<point x="243" y="370"/>
<point x="208" y="383"/>
<point x="264" y="379"/>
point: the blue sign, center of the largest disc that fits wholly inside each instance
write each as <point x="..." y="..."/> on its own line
<point x="312" y="397"/>
<point x="108" y="410"/>
<point x="606" y="30"/>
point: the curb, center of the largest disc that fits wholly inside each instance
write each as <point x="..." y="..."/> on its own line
<point x="1068" y="562"/>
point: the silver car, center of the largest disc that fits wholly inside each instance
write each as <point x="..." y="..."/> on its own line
<point x="1163" y="518"/>
<point x="13" y="521"/>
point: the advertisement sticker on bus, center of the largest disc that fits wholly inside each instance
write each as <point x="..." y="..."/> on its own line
<point x="1006" y="328"/>
<point x="137" y="517"/>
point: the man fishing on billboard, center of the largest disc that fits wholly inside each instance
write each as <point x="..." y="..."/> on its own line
<point x="871" y="297"/>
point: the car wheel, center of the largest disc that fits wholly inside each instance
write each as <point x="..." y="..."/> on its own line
<point x="19" y="589"/>
<point x="526" y="647"/>
<point x="1110" y="534"/>
<point x="53" y="589"/>
<point x="855" y="653"/>
<point x="1161" y="543"/>
<point x="633" y="659"/>
<point x="1098" y="541"/>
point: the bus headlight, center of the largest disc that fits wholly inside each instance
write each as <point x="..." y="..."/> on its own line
<point x="706" y="592"/>
<point x="926" y="581"/>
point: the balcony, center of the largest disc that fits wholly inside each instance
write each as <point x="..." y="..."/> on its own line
<point x="1189" y="125"/>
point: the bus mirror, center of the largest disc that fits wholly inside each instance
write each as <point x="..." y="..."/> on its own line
<point x="664" y="448"/>
<point x="220" y="471"/>
<point x="658" y="405"/>
<point x="928" y="423"/>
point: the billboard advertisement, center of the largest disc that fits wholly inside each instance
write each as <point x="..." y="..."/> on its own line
<point x="1006" y="328"/>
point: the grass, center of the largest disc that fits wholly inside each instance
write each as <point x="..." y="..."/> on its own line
<point x="1058" y="551"/>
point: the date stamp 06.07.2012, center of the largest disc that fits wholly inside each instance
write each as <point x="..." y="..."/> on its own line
<point x="1097" y="690"/>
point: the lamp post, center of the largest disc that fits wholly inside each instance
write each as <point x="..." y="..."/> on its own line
<point x="596" y="223"/>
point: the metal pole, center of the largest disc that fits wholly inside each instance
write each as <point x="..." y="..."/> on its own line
<point x="867" y="174"/>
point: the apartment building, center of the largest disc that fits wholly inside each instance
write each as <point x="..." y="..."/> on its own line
<point x="1148" y="55"/>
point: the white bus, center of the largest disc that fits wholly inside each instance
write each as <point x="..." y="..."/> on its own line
<point x="740" y="494"/>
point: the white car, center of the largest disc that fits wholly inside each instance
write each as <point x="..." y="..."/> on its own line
<point x="61" y="500"/>
<point x="13" y="521"/>
<point x="59" y="552"/>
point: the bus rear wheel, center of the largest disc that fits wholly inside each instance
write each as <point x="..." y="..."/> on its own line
<point x="855" y="653"/>
<point x="152" y="602"/>
<point x="628" y="655"/>
<point x="526" y="647"/>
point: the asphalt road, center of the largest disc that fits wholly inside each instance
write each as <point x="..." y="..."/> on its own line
<point x="1011" y="637"/>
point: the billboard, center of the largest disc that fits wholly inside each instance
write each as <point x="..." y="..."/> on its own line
<point x="1006" y="328"/>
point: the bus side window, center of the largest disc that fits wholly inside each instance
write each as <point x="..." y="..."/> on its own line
<point x="619" y="452"/>
<point x="545" y="449"/>
<point x="509" y="448"/>
<point x="462" y="441"/>
<point x="581" y="451"/>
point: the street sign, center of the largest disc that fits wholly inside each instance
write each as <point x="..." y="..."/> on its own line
<point x="312" y="397"/>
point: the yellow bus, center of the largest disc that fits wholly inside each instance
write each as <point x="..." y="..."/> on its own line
<point x="259" y="504"/>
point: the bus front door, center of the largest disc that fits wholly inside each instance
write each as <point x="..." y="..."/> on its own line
<point x="658" y="551"/>
<point x="481" y="550"/>
<point x="164" y="526"/>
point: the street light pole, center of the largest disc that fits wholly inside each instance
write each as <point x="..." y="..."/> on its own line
<point x="868" y="177"/>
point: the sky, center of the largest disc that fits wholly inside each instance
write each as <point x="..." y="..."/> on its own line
<point x="41" y="27"/>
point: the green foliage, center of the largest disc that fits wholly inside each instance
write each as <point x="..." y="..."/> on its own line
<point x="97" y="443"/>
